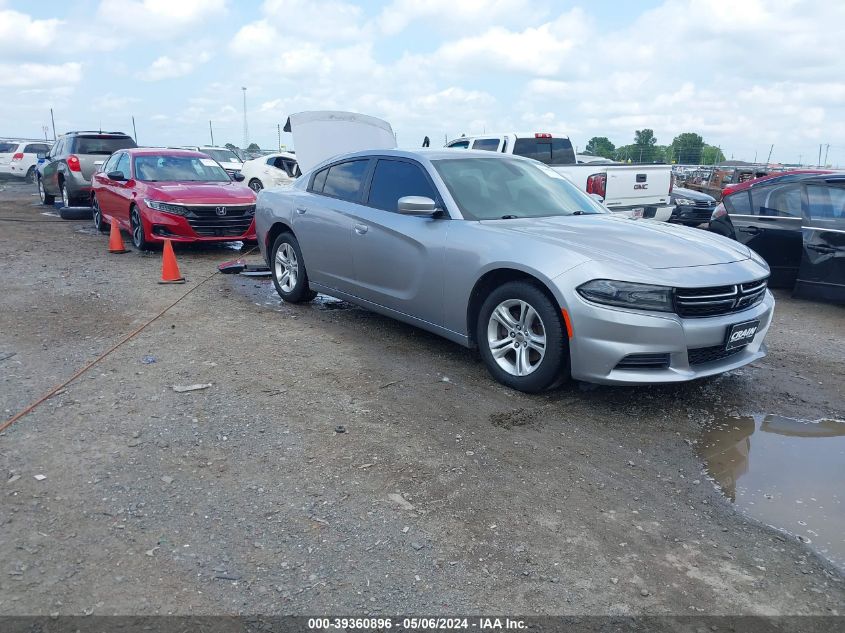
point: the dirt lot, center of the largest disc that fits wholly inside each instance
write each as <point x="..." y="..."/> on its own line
<point x="447" y="493"/>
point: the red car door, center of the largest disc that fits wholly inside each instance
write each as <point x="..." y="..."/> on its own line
<point x="121" y="192"/>
<point x="102" y="185"/>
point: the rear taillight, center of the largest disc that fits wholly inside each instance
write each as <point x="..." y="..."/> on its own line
<point x="18" y="156"/>
<point x="597" y="184"/>
<point x="719" y="212"/>
<point x="73" y="163"/>
<point x="542" y="135"/>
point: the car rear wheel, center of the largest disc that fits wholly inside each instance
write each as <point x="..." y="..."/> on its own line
<point x="521" y="338"/>
<point x="65" y="195"/>
<point x="139" y="238"/>
<point x="43" y="195"/>
<point x="97" y="214"/>
<point x="30" y="174"/>
<point x="289" y="274"/>
<point x="256" y="185"/>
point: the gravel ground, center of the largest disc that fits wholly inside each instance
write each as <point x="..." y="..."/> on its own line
<point x="341" y="462"/>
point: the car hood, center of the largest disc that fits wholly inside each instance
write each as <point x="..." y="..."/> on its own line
<point x="317" y="136"/>
<point x="632" y="243"/>
<point x="202" y="192"/>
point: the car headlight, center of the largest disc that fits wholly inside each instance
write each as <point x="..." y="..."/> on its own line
<point x="685" y="202"/>
<point x="166" y="207"/>
<point x="627" y="295"/>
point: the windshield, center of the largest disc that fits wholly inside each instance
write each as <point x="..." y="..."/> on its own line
<point x="101" y="145"/>
<point x="151" y="168"/>
<point x="222" y="155"/>
<point x="502" y="188"/>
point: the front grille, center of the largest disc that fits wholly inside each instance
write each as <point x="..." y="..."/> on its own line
<point x="705" y="204"/>
<point x="717" y="300"/>
<point x="220" y="227"/>
<point x="231" y="210"/>
<point x="644" y="361"/>
<point x="703" y="355"/>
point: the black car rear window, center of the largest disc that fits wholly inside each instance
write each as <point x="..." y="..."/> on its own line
<point x="552" y="151"/>
<point x="101" y="144"/>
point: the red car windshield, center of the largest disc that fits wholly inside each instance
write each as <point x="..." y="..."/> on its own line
<point x="163" y="168"/>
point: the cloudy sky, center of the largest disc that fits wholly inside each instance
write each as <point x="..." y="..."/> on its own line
<point x="744" y="74"/>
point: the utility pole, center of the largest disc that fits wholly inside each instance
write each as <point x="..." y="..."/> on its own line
<point x="826" y="150"/>
<point x="54" y="123"/>
<point x="769" y="159"/>
<point x="246" y="129"/>
<point x="820" y="155"/>
<point x="211" y="132"/>
<point x="279" y="134"/>
<point x="134" y="131"/>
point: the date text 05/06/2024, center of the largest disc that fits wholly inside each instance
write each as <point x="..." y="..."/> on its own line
<point x="417" y="624"/>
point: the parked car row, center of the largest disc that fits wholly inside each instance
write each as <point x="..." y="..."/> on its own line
<point x="195" y="194"/>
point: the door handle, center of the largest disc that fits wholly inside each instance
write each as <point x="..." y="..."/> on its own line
<point x="820" y="248"/>
<point x="753" y="230"/>
<point x="360" y="229"/>
<point x="301" y="210"/>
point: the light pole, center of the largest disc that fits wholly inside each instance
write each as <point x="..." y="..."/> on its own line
<point x="246" y="129"/>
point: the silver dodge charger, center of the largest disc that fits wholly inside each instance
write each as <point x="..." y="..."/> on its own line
<point x="506" y="255"/>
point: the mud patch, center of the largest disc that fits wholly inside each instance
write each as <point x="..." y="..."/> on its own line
<point x="516" y="418"/>
<point x="785" y="472"/>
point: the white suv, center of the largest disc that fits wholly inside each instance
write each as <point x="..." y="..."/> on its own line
<point x="18" y="158"/>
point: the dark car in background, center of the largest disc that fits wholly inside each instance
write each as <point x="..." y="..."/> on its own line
<point x="66" y="171"/>
<point x="796" y="222"/>
<point x="691" y="208"/>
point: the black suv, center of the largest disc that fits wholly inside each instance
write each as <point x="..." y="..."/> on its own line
<point x="65" y="172"/>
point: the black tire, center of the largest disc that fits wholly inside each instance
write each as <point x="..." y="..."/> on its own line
<point x="256" y="185"/>
<point x="30" y="175"/>
<point x="101" y="225"/>
<point x="552" y="367"/>
<point x="64" y="194"/>
<point x="299" y="291"/>
<point x="46" y="199"/>
<point x="139" y="238"/>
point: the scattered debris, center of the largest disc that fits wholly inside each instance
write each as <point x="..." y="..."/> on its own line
<point x="401" y="501"/>
<point x="148" y="360"/>
<point x="167" y="479"/>
<point x="40" y="477"/>
<point x="197" y="387"/>
<point x="340" y="429"/>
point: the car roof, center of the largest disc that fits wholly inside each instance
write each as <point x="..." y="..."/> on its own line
<point x="797" y="174"/>
<point x="161" y="151"/>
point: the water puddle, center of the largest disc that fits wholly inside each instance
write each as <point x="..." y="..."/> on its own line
<point x="785" y="472"/>
<point x="263" y="293"/>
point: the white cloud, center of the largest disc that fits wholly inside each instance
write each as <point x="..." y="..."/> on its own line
<point x="157" y="18"/>
<point x="166" y="67"/>
<point x="39" y="75"/>
<point x="21" y="35"/>
<point x="453" y="15"/>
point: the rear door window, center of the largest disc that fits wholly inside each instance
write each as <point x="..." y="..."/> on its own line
<point x="826" y="206"/>
<point x="551" y="151"/>
<point x="488" y="144"/>
<point x="101" y="144"/>
<point x="394" y="179"/>
<point x="783" y="201"/>
<point x="738" y="203"/>
<point x="344" y="180"/>
<point x="319" y="180"/>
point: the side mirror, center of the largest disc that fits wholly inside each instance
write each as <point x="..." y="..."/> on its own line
<point x="238" y="177"/>
<point x="416" y="205"/>
<point x="116" y="175"/>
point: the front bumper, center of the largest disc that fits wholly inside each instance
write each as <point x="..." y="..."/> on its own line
<point x="691" y="215"/>
<point x="159" y="226"/>
<point x="604" y="336"/>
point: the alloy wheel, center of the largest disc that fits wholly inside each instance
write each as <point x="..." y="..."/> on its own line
<point x="97" y="215"/>
<point x="137" y="229"/>
<point x="255" y="185"/>
<point x="41" y="193"/>
<point x="65" y="196"/>
<point x="516" y="337"/>
<point x="286" y="267"/>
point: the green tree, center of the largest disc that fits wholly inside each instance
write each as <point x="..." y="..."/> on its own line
<point x="687" y="149"/>
<point x="644" y="147"/>
<point x="600" y="146"/>
<point x="711" y="155"/>
<point x="232" y="147"/>
<point x="645" y="138"/>
<point x="253" y="146"/>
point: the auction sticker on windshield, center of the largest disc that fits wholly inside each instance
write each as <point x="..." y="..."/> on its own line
<point x="741" y="334"/>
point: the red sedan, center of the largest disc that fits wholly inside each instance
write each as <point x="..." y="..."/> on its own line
<point x="180" y="195"/>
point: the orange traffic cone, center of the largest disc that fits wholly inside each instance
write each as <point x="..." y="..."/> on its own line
<point x="116" y="240"/>
<point x="169" y="268"/>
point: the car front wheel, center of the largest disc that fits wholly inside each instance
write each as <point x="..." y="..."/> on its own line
<point x="521" y="338"/>
<point x="139" y="238"/>
<point x="256" y="185"/>
<point x="97" y="214"/>
<point x="289" y="274"/>
<point x="43" y="195"/>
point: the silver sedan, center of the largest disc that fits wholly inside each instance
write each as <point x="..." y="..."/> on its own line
<point x="504" y="254"/>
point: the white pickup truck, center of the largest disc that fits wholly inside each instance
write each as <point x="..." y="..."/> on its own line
<point x="637" y="190"/>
